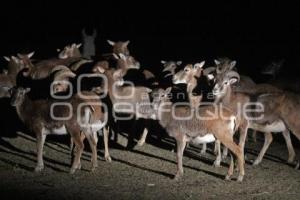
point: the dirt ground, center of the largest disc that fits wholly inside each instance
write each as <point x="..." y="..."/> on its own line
<point x="143" y="173"/>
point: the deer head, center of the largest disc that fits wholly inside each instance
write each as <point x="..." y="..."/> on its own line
<point x="120" y="47"/>
<point x="70" y="51"/>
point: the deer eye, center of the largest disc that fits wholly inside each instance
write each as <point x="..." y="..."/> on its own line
<point x="226" y="82"/>
<point x="187" y="69"/>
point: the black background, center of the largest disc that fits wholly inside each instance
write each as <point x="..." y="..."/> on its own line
<point x="253" y="33"/>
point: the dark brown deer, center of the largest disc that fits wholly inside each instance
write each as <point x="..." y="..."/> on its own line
<point x="122" y="97"/>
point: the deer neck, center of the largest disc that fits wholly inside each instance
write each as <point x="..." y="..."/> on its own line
<point x="112" y="88"/>
<point x="191" y="85"/>
<point x="165" y="116"/>
<point x="193" y="99"/>
<point x="23" y="107"/>
<point x="226" y="99"/>
<point x="13" y="69"/>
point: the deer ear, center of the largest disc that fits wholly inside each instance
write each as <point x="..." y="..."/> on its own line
<point x="30" y="54"/>
<point x="100" y="69"/>
<point x="178" y="63"/>
<point x="148" y="90"/>
<point x="15" y="59"/>
<point x="83" y="32"/>
<point x="199" y="65"/>
<point x="163" y="62"/>
<point x="27" y="90"/>
<point x="111" y="42"/>
<point x="94" y="33"/>
<point x="168" y="90"/>
<point x="126" y="43"/>
<point x="232" y="64"/>
<point x="78" y="45"/>
<point x="6" y="58"/>
<point x="217" y="62"/>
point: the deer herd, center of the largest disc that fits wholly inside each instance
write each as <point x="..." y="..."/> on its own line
<point x="78" y="95"/>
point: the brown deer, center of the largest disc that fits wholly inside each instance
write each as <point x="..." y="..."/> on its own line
<point x="187" y="126"/>
<point x="43" y="118"/>
<point x="235" y="99"/>
<point x="8" y="79"/>
<point x="69" y="57"/>
<point x="189" y="76"/>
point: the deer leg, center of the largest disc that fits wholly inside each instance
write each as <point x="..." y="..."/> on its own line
<point x="203" y="150"/>
<point x="41" y="137"/>
<point x="93" y="145"/>
<point x="218" y="159"/>
<point x="142" y="140"/>
<point x="79" y="146"/>
<point x="131" y="136"/>
<point x="181" y="143"/>
<point x="105" y="138"/>
<point x="243" y="135"/>
<point x="268" y="141"/>
<point x="254" y="136"/>
<point x="287" y="137"/>
<point x="216" y="148"/>
<point x="227" y="140"/>
<point x="225" y="153"/>
<point x="230" y="170"/>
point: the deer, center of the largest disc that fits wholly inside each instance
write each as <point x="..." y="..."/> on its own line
<point x="186" y="127"/>
<point x="189" y="76"/>
<point x="284" y="81"/>
<point x="120" y="47"/>
<point x="69" y="56"/>
<point x="8" y="79"/>
<point x="235" y="99"/>
<point x="273" y="69"/>
<point x="88" y="41"/>
<point x="168" y="71"/>
<point x="73" y="116"/>
<point x="285" y="106"/>
<point x="139" y="101"/>
<point x="170" y="66"/>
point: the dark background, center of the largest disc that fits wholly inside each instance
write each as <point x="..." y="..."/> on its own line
<point x="253" y="33"/>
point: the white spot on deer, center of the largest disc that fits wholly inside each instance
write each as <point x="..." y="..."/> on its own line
<point x="208" y="138"/>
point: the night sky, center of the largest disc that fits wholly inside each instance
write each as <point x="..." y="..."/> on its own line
<point x="252" y="33"/>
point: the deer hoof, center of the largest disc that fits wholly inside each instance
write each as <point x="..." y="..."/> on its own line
<point x="203" y="152"/>
<point x="39" y="168"/>
<point x="256" y="163"/>
<point x="177" y="177"/>
<point x="291" y="160"/>
<point x="227" y="178"/>
<point x="141" y="143"/>
<point x="72" y="171"/>
<point x="107" y="158"/>
<point x="217" y="163"/>
<point x="240" y="178"/>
